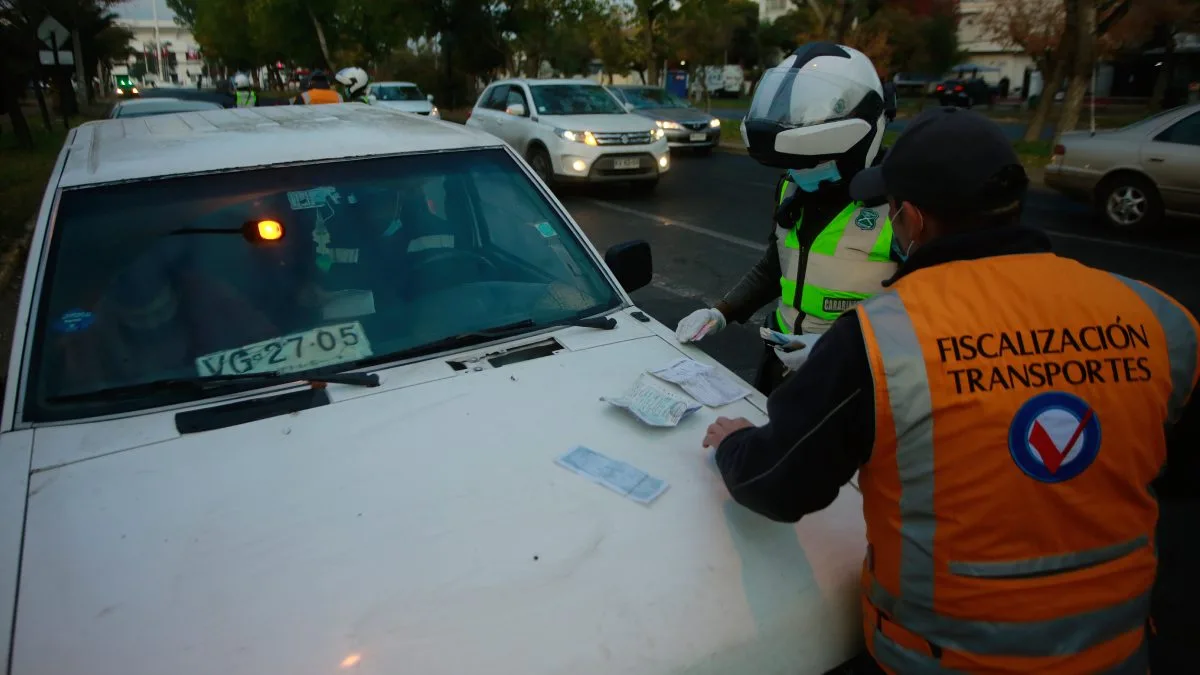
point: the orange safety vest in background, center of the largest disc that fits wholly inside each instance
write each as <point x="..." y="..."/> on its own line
<point x="1020" y="412"/>
<point x="318" y="96"/>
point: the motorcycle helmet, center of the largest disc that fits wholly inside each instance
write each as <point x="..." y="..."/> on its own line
<point x="822" y="103"/>
<point x="354" y="80"/>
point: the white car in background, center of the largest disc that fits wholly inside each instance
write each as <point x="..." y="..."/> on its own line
<point x="287" y="393"/>
<point x="402" y="96"/>
<point x="573" y="130"/>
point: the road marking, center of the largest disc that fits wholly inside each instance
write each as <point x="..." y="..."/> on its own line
<point x="1122" y="244"/>
<point x="671" y="222"/>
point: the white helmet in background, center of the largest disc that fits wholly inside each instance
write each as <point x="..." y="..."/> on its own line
<point x="241" y="81"/>
<point x="822" y="103"/>
<point x="354" y="80"/>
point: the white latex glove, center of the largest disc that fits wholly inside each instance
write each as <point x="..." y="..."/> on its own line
<point x="793" y="358"/>
<point x="699" y="323"/>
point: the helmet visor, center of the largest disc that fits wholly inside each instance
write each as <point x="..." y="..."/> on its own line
<point x="797" y="97"/>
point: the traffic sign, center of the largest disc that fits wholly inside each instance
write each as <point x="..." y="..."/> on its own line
<point x="65" y="58"/>
<point x="53" y="33"/>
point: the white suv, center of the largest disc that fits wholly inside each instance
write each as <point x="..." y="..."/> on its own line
<point x="573" y="130"/>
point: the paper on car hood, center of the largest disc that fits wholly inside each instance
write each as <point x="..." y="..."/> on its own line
<point x="429" y="530"/>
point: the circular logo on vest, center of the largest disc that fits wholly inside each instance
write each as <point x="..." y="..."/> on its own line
<point x="1054" y="437"/>
<point x="866" y="219"/>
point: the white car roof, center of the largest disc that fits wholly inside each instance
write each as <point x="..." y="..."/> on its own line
<point x="238" y="138"/>
<point x="534" y="83"/>
<point x="395" y="84"/>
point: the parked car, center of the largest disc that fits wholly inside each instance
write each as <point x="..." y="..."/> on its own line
<point x="1135" y="175"/>
<point x="964" y="93"/>
<point x="286" y="396"/>
<point x="145" y="107"/>
<point x="402" y="96"/>
<point x="684" y="125"/>
<point x="573" y="130"/>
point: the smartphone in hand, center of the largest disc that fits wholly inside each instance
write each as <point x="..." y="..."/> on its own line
<point x="786" y="342"/>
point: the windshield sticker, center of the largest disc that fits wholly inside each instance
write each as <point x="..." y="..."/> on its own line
<point x="341" y="343"/>
<point x="546" y="229"/>
<point x="74" y="321"/>
<point x="322" y="238"/>
<point x="311" y="199"/>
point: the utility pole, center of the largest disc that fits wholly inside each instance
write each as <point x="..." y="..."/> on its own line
<point x="157" y="41"/>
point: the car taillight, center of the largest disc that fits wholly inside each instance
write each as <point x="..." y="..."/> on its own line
<point x="941" y="88"/>
<point x="1060" y="149"/>
<point x="958" y="88"/>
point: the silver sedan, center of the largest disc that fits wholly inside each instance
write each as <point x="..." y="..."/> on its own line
<point x="1137" y="175"/>
<point x="683" y="125"/>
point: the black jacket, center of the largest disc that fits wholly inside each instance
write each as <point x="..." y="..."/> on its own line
<point x="822" y="418"/>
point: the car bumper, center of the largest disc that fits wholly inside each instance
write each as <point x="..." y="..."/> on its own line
<point x="582" y="163"/>
<point x="1068" y="182"/>
<point x="691" y="138"/>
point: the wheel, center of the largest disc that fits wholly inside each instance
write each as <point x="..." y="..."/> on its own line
<point x="539" y="159"/>
<point x="645" y="187"/>
<point x="1126" y="201"/>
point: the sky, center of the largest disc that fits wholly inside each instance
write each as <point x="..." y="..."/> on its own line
<point x="143" y="9"/>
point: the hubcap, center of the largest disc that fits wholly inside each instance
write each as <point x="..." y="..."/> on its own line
<point x="1126" y="205"/>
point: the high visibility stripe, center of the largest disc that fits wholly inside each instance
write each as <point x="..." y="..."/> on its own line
<point x="826" y="243"/>
<point x="910" y="399"/>
<point x="882" y="250"/>
<point x="1047" y="565"/>
<point x="785" y="318"/>
<point x="1181" y="343"/>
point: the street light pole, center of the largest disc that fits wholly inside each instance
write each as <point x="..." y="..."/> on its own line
<point x="157" y="41"/>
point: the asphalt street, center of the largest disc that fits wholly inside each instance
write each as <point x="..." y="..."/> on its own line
<point x="709" y="220"/>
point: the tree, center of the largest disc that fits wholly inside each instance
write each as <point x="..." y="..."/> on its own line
<point x="651" y="17"/>
<point x="612" y="40"/>
<point x="702" y="30"/>
<point x="743" y="40"/>
<point x="1081" y="24"/>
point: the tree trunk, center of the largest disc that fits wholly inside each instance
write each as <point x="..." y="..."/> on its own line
<point x="13" y="107"/>
<point x="1050" y="86"/>
<point x="1084" y="26"/>
<point x="648" y="45"/>
<point x="321" y="39"/>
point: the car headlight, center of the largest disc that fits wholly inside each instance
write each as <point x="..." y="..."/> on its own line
<point x="667" y="124"/>
<point x="656" y="133"/>
<point x="584" y="137"/>
<point x="133" y="91"/>
<point x="433" y="112"/>
<point x="119" y="91"/>
<point x="714" y="123"/>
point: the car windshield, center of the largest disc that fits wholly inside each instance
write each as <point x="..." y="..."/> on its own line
<point x="185" y="277"/>
<point x="574" y="99"/>
<point x="390" y="92"/>
<point x="653" y="98"/>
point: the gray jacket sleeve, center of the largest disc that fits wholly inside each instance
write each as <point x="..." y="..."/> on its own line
<point x="759" y="286"/>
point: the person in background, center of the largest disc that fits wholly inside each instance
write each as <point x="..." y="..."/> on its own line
<point x="243" y="91"/>
<point x="318" y="91"/>
<point x="820" y="114"/>
<point x="1009" y="414"/>
<point x="354" y="84"/>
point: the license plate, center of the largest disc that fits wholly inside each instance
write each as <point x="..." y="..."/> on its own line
<point x="318" y="347"/>
<point x="628" y="163"/>
<point x="698" y="137"/>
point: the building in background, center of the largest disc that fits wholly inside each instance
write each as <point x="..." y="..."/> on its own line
<point x="164" y="51"/>
<point x="981" y="49"/>
<point x="769" y="10"/>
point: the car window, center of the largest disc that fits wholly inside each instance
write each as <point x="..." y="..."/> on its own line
<point x="1186" y="131"/>
<point x="653" y="98"/>
<point x="169" y="279"/>
<point x="390" y="92"/>
<point x="574" y="99"/>
<point x="516" y="97"/>
<point x="496" y="97"/>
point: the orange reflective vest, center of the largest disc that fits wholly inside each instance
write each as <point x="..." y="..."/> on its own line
<point x="318" y="96"/>
<point x="1021" y="406"/>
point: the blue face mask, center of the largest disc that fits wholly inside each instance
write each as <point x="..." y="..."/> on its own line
<point x="809" y="180"/>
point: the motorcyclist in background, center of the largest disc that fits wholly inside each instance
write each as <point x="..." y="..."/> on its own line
<point x="354" y="84"/>
<point x="243" y="91"/>
<point x="318" y="91"/>
<point x="819" y="114"/>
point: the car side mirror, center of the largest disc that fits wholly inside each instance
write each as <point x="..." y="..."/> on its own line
<point x="429" y="97"/>
<point x="632" y="264"/>
<point x="516" y="110"/>
<point x="628" y="107"/>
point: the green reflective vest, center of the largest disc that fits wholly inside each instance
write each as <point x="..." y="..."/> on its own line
<point x="847" y="263"/>
<point x="246" y="99"/>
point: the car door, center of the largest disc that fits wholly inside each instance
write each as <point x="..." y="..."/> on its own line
<point x="518" y="128"/>
<point x="1172" y="159"/>
<point x="490" y="106"/>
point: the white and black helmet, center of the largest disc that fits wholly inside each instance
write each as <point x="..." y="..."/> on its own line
<point x="823" y="102"/>
<point x="241" y="81"/>
<point x="354" y="80"/>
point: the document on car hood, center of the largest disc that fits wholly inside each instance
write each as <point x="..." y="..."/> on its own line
<point x="703" y="383"/>
<point x="653" y="404"/>
<point x="622" y="478"/>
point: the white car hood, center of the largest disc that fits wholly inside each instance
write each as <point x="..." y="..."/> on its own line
<point x="407" y="106"/>
<point x="426" y="529"/>
<point x="620" y="122"/>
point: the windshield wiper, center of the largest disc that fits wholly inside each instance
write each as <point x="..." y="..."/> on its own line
<point x="205" y="383"/>
<point x="488" y="334"/>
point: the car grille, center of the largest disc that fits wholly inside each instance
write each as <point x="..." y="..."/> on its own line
<point x="625" y="138"/>
<point x="695" y="126"/>
<point x="419" y="112"/>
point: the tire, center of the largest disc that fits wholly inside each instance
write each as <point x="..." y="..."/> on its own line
<point x="539" y="159"/>
<point x="1126" y="201"/>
